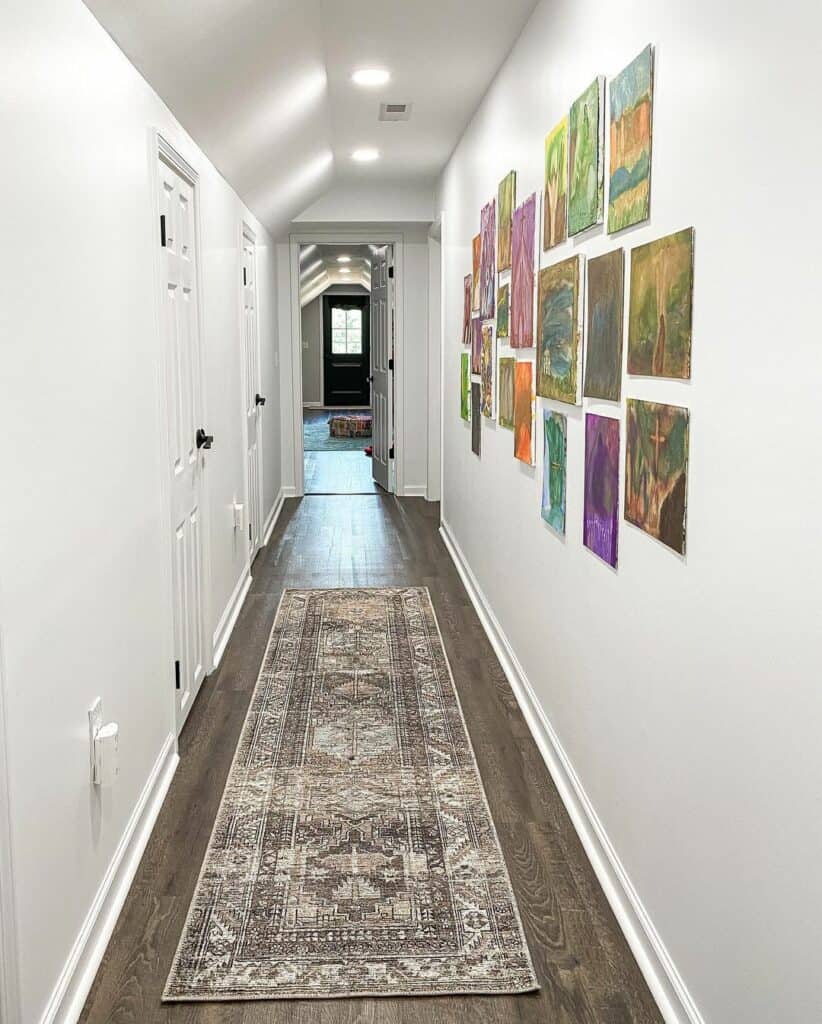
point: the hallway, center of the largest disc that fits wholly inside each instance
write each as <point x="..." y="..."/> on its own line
<point x="586" y="971"/>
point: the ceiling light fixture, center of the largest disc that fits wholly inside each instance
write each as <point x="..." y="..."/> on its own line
<point x="344" y="270"/>
<point x="365" y="156"/>
<point x="371" y="77"/>
<point x="343" y="259"/>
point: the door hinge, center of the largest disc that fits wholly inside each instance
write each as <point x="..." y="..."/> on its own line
<point x="391" y="452"/>
<point x="390" y="271"/>
<point x="163" y="230"/>
<point x="177" y="675"/>
<point x="245" y="279"/>
<point x="390" y="364"/>
<point x="249" y="531"/>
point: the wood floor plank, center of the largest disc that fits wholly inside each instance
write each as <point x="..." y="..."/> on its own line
<point x="586" y="971"/>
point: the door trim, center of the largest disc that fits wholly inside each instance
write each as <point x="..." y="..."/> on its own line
<point x="397" y="241"/>
<point x="326" y="302"/>
<point x="247" y="233"/>
<point x="9" y="967"/>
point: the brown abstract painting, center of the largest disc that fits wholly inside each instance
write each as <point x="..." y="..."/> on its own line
<point x="466" y="310"/>
<point x="476" y="346"/>
<point x="603" y="353"/>
<point x="629" y="192"/>
<point x="559" y="331"/>
<point x="524" y="412"/>
<point x="505" y="391"/>
<point x="656" y="470"/>
<point x="476" y="252"/>
<point x="506" y="201"/>
<point x="476" y="426"/>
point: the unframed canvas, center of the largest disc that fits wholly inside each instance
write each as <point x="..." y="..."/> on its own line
<point x="506" y="201"/>
<point x="522" y="274"/>
<point x="585" y="159"/>
<point x="466" y="310"/>
<point x="600" y="523"/>
<point x="476" y="426"/>
<point x="559" y="331"/>
<point x="555" y="201"/>
<point x="488" y="276"/>
<point x="465" y="385"/>
<point x="524" y="411"/>
<point x="554" y="468"/>
<point x="476" y="256"/>
<point x="505" y="391"/>
<point x="603" y="347"/>
<point x="476" y="346"/>
<point x="503" y="306"/>
<point x="631" y="125"/>
<point x="488" y="370"/>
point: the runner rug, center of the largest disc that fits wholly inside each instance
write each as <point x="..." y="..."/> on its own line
<point x="353" y="853"/>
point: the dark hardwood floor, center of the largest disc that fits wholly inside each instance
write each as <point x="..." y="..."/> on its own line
<point x="585" y="968"/>
<point x="338" y="473"/>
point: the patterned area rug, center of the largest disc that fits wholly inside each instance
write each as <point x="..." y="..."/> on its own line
<point x="353" y="853"/>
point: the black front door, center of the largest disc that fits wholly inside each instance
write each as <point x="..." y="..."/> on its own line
<point x="346" y="352"/>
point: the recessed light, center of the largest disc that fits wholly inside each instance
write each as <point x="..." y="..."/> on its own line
<point x="344" y="270"/>
<point x="364" y="156"/>
<point x="370" y="77"/>
<point x="343" y="259"/>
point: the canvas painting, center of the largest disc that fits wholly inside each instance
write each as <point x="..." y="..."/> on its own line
<point x="488" y="367"/>
<point x="660" y="307"/>
<point x="601" y="495"/>
<point x="585" y="159"/>
<point x="554" y="433"/>
<point x="656" y="470"/>
<point x="555" y="203"/>
<point x="522" y="274"/>
<point x="603" y="347"/>
<point x="503" y="293"/>
<point x="506" y="201"/>
<point x="465" y="386"/>
<point x="476" y="255"/>
<point x="476" y="435"/>
<point x="466" y="310"/>
<point x="505" y="391"/>
<point x="559" y="331"/>
<point x="631" y="108"/>
<point x="488" y="275"/>
<point x="524" y="412"/>
<point x="476" y="346"/>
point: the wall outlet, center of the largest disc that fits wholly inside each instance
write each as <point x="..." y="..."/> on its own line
<point x="95" y="723"/>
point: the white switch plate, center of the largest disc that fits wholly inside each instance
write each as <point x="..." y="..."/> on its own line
<point x="95" y="722"/>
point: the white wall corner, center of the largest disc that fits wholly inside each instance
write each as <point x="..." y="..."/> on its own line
<point x="660" y="972"/>
<point x="228" y="619"/>
<point x="9" y="977"/>
<point x="273" y="516"/>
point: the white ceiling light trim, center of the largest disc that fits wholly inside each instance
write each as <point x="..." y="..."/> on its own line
<point x="371" y="77"/>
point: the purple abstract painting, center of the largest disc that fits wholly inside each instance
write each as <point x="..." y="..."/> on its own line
<point x="522" y="274"/>
<point x="601" y="515"/>
<point x="476" y="346"/>
<point x="488" y="259"/>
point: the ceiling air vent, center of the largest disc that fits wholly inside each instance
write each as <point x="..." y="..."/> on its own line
<point x="395" y="111"/>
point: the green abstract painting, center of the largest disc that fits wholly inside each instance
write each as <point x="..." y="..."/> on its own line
<point x="553" y="469"/>
<point x="505" y="391"/>
<point x="559" y="331"/>
<point x="503" y="307"/>
<point x="585" y="159"/>
<point x="555" y="201"/>
<point x="465" y="386"/>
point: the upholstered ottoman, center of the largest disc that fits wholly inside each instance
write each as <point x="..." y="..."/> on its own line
<point x="350" y="425"/>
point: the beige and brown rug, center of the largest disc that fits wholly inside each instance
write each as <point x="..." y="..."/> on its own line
<point x="353" y="852"/>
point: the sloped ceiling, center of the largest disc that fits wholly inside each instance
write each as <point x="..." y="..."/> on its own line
<point x="264" y="86"/>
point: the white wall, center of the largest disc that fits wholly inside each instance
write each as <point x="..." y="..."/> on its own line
<point x="351" y="202"/>
<point x="686" y="692"/>
<point x="311" y="337"/>
<point x="83" y="557"/>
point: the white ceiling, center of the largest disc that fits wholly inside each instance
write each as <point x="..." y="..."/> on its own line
<point x="320" y="268"/>
<point x="264" y="86"/>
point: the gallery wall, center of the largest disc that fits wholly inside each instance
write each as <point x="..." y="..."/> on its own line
<point x="677" y="697"/>
<point x="85" y="603"/>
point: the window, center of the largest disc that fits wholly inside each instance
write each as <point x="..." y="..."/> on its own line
<point x="346" y="331"/>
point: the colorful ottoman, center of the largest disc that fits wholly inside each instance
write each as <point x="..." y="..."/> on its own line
<point x="350" y="425"/>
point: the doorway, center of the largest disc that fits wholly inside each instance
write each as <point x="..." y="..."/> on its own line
<point x="253" y="401"/>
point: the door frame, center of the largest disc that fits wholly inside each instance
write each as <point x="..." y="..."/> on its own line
<point x="326" y="302"/>
<point x="397" y="241"/>
<point x="160" y="147"/>
<point x="247" y="233"/>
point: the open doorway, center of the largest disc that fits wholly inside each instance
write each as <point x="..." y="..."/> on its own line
<point x="340" y="367"/>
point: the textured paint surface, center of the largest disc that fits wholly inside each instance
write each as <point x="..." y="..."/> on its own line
<point x="585" y="160"/>
<point x="467" y="285"/>
<point x="524" y="412"/>
<point x="603" y="351"/>
<point x="600" y="523"/>
<point x="476" y="427"/>
<point x="488" y="275"/>
<point x="488" y="366"/>
<point x="503" y="309"/>
<point x="522" y="275"/>
<point x="559" y="338"/>
<point x="660" y="310"/>
<point x="476" y="257"/>
<point x="656" y="470"/>
<point x="476" y="345"/>
<point x="631" y="116"/>
<point x="554" y="434"/>
<point x="465" y="386"/>
<point x="505" y="391"/>
<point x="506" y="201"/>
<point x="555" y="206"/>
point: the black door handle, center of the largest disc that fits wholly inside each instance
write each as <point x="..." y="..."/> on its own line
<point x="259" y="399"/>
<point x="370" y="379"/>
<point x="204" y="440"/>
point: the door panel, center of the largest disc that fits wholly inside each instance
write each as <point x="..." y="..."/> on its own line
<point x="382" y="354"/>
<point x="346" y="346"/>
<point x="251" y="390"/>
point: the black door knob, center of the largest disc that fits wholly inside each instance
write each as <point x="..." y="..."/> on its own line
<point x="370" y="379"/>
<point x="204" y="440"/>
<point x="259" y="399"/>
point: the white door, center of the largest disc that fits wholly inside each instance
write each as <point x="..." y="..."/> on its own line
<point x="181" y="337"/>
<point x="253" y="400"/>
<point x="382" y="364"/>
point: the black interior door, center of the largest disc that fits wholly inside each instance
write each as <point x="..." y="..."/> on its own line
<point x="346" y="350"/>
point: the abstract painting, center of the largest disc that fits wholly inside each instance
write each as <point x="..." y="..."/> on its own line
<point x="465" y="386"/>
<point x="476" y="435"/>
<point x="505" y="391"/>
<point x="554" y="432"/>
<point x="506" y="201"/>
<point x="466" y="310"/>
<point x="601" y="500"/>
<point x="656" y="470"/>
<point x="476" y="345"/>
<point x="631" y="102"/>
<point x="585" y="159"/>
<point x="555" y="204"/>
<point x="488" y="367"/>
<point x="524" y="412"/>
<point x="522" y="274"/>
<point x="488" y="277"/>
<point x="559" y="331"/>
<point x="503" y="301"/>
<point x="476" y="255"/>
<point x="603" y="352"/>
<point x="661" y="304"/>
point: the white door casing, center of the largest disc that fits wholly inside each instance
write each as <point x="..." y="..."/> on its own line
<point x="181" y="339"/>
<point x="382" y="356"/>
<point x="253" y="401"/>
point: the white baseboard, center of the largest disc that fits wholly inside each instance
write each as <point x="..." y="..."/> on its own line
<point x="413" y="491"/>
<point x="76" y="978"/>
<point x="659" y="970"/>
<point x="273" y="516"/>
<point x="289" y="491"/>
<point x="229" y="617"/>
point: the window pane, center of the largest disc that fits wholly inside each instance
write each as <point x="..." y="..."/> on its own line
<point x="337" y="317"/>
<point x="355" y="341"/>
<point x="354" y="318"/>
<point x="338" y="341"/>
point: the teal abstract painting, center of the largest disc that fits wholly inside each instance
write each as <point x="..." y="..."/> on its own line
<point x="555" y="432"/>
